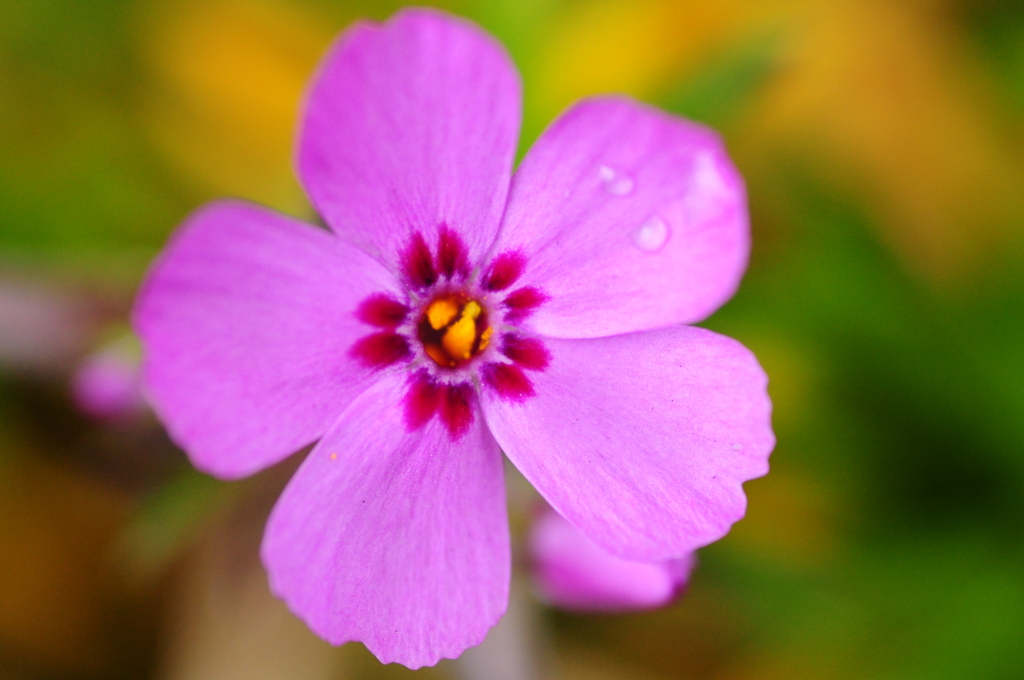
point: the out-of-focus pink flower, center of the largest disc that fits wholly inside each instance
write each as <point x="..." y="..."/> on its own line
<point x="571" y="572"/>
<point x="42" y="330"/>
<point x="108" y="383"/>
<point x="454" y="311"/>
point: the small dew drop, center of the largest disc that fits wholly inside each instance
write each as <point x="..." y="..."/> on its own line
<point x="622" y="187"/>
<point x="737" y="447"/>
<point x="706" y="176"/>
<point x="615" y="183"/>
<point x="651" y="235"/>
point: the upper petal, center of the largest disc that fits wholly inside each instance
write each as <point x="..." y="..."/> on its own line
<point x="396" y="539"/>
<point x="246" y="321"/>
<point x="572" y="573"/>
<point x="632" y="219"/>
<point x="410" y="125"/>
<point x="642" y="441"/>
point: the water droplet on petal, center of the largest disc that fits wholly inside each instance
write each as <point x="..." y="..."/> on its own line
<point x="707" y="178"/>
<point x="710" y="195"/>
<point x="621" y="187"/>
<point x="737" y="447"/>
<point x="651" y="235"/>
<point x="615" y="183"/>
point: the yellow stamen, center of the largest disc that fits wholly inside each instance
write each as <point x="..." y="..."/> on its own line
<point x="485" y="338"/>
<point x="458" y="341"/>
<point x="454" y="329"/>
<point x="441" y="312"/>
<point x="438" y="355"/>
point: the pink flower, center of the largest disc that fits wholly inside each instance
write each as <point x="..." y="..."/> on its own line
<point x="107" y="384"/>
<point x="453" y="312"/>
<point x="571" y="572"/>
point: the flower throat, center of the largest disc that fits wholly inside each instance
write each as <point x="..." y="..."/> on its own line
<point x="453" y="329"/>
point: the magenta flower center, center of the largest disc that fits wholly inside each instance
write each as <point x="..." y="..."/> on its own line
<point x="454" y="327"/>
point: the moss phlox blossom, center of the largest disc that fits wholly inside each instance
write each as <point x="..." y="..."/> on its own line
<point x="454" y="310"/>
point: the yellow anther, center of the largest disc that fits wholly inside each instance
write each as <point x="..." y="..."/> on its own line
<point x="458" y="340"/>
<point x="441" y="312"/>
<point x="438" y="355"/>
<point x="485" y="338"/>
<point x="453" y="329"/>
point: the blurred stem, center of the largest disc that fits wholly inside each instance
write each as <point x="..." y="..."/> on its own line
<point x="166" y="522"/>
<point x="512" y="649"/>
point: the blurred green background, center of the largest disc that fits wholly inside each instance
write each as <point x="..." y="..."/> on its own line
<point x="883" y="146"/>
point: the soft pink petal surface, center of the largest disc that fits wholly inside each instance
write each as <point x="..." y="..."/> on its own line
<point x="642" y="441"/>
<point x="411" y="125"/>
<point x="631" y="218"/>
<point x="571" y="572"/>
<point x="398" y="540"/>
<point x="246" y="320"/>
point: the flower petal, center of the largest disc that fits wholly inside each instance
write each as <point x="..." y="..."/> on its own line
<point x="394" y="539"/>
<point x="642" y="441"/>
<point x="410" y="126"/>
<point x="246" y="320"/>
<point x="572" y="573"/>
<point x="632" y="219"/>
